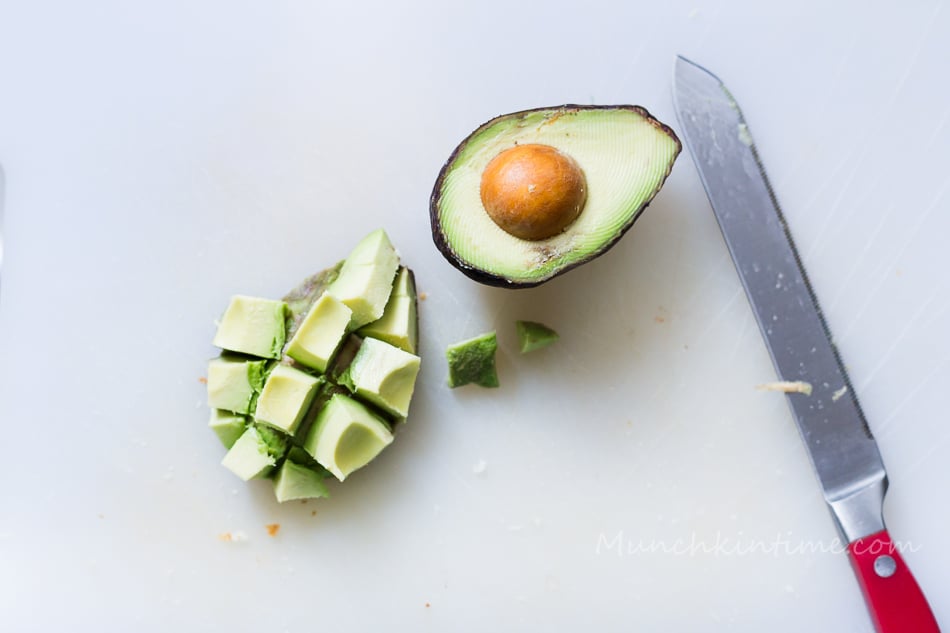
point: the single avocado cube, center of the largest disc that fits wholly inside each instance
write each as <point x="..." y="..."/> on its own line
<point x="473" y="361"/>
<point x="366" y="278"/>
<point x="227" y="426"/>
<point x="296" y="481"/>
<point x="532" y="335"/>
<point x="346" y="436"/>
<point x="254" y="454"/>
<point x="399" y="325"/>
<point x="234" y="384"/>
<point x="285" y="398"/>
<point x="253" y="326"/>
<point x="384" y="375"/>
<point x="320" y="333"/>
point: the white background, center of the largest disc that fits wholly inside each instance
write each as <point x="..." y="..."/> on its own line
<point x="161" y="156"/>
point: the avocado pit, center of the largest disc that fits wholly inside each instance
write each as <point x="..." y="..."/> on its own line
<point x="533" y="191"/>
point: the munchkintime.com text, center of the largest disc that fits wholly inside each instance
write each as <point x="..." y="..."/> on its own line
<point x="718" y="545"/>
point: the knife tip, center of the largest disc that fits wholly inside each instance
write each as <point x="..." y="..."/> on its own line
<point x="688" y="72"/>
<point x="683" y="64"/>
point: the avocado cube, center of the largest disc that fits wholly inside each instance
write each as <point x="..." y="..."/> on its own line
<point x="296" y="481"/>
<point x="366" y="278"/>
<point x="473" y="361"/>
<point x="251" y="456"/>
<point x="234" y="384"/>
<point x="320" y="333"/>
<point x="383" y="375"/>
<point x="227" y="426"/>
<point x="398" y="326"/>
<point x="253" y="326"/>
<point x="285" y="398"/>
<point x="533" y="336"/>
<point x="346" y="436"/>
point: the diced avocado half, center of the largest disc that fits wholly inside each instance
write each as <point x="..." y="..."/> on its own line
<point x="289" y="420"/>
<point x="473" y="361"/>
<point x="623" y="156"/>
<point x="533" y="336"/>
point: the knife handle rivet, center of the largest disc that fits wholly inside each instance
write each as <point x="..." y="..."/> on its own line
<point x="885" y="566"/>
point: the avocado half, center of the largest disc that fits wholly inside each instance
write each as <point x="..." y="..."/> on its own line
<point x="624" y="153"/>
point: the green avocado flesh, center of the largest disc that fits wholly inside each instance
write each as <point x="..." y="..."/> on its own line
<point x="473" y="361"/>
<point x="624" y="153"/>
<point x="285" y="398"/>
<point x="296" y="396"/>
<point x="532" y="336"/>
<point x="398" y="325"/>
<point x="346" y="436"/>
<point x="234" y="384"/>
<point x="366" y="278"/>
<point x="255" y="453"/>
<point x="253" y="326"/>
<point x="383" y="375"/>
<point x="227" y="426"/>
<point x="320" y="333"/>
<point x="296" y="481"/>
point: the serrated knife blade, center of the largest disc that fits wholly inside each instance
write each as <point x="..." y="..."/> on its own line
<point x="829" y="418"/>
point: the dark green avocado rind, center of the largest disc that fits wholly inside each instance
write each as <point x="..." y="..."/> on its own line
<point x="491" y="279"/>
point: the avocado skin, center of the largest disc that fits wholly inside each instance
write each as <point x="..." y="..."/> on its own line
<point x="490" y="279"/>
<point x="415" y="301"/>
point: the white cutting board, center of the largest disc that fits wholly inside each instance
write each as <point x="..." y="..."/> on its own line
<point x="162" y="156"/>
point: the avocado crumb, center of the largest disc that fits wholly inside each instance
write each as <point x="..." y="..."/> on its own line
<point x="533" y="336"/>
<point x="473" y="361"/>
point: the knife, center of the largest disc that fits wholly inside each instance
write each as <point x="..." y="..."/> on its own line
<point x="842" y="449"/>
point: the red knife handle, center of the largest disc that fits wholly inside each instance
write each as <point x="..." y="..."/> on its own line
<point x="895" y="600"/>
